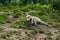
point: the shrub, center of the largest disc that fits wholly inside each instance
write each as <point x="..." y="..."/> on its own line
<point x="56" y="5"/>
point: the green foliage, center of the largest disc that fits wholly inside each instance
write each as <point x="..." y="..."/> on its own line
<point x="5" y="2"/>
<point x="37" y="7"/>
<point x="56" y="5"/>
<point x="25" y="2"/>
<point x="16" y="13"/>
<point x="3" y="19"/>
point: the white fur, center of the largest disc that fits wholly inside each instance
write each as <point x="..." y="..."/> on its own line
<point x="34" y="19"/>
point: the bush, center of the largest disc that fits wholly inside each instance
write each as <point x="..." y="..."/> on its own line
<point x="56" y="5"/>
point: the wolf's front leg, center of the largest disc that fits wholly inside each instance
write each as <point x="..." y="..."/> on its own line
<point x="35" y="22"/>
<point x="32" y="21"/>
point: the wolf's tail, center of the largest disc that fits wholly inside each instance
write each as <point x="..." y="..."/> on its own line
<point x="45" y="23"/>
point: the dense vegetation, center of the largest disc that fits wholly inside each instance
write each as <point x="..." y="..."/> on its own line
<point x="47" y="10"/>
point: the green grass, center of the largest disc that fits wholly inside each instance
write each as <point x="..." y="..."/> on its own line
<point x="16" y="13"/>
<point x="3" y="19"/>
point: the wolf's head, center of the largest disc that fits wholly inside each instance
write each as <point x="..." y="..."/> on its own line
<point x="28" y="17"/>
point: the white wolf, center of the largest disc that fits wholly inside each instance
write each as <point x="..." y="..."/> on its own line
<point x="34" y="20"/>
